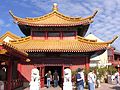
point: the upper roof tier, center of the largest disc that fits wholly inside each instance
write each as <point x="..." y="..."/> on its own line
<point x="54" y="18"/>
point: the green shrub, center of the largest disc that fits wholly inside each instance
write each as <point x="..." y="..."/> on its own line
<point x="111" y="70"/>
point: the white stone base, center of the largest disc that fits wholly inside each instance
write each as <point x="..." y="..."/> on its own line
<point x="67" y="86"/>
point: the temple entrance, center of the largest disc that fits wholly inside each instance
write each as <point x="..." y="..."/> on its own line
<point x="52" y="69"/>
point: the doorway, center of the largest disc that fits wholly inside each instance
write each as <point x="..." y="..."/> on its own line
<point x="52" y="69"/>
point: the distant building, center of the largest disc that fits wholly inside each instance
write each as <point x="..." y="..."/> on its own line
<point x="116" y="61"/>
<point x="102" y="59"/>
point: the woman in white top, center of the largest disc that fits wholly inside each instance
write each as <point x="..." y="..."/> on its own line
<point x="91" y="80"/>
<point x="117" y="77"/>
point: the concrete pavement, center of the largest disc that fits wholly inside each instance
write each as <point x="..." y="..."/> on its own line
<point x="104" y="86"/>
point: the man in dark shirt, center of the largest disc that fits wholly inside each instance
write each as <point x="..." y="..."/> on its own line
<point x="49" y="77"/>
<point x="55" y="78"/>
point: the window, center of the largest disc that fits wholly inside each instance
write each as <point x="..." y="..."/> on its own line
<point x="53" y="34"/>
<point x="38" y="34"/>
<point x="68" y="34"/>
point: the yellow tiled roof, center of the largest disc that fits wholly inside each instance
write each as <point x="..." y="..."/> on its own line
<point x="9" y="47"/>
<point x="9" y="34"/>
<point x="53" y="18"/>
<point x="79" y="45"/>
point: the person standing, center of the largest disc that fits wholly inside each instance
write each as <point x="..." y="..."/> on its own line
<point x="91" y="80"/>
<point x="80" y="79"/>
<point x="117" y="77"/>
<point x="55" y="78"/>
<point x="49" y="77"/>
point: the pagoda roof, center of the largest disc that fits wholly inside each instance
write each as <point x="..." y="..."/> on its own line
<point x="9" y="47"/>
<point x="54" y="18"/>
<point x="9" y="34"/>
<point x="79" y="45"/>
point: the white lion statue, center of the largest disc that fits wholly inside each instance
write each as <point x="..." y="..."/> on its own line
<point x="67" y="85"/>
<point x="35" y="80"/>
<point x="67" y="75"/>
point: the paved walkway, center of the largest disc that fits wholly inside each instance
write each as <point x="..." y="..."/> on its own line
<point x="104" y="86"/>
<point x="51" y="88"/>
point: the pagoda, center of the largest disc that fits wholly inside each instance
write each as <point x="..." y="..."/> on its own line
<point x="54" y="42"/>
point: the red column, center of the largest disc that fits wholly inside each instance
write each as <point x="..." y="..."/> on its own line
<point x="46" y="35"/>
<point x="9" y="75"/>
<point x="42" y="74"/>
<point x="87" y="63"/>
<point x="76" y="35"/>
<point x="63" y="71"/>
<point x="61" y="35"/>
<point x="63" y="66"/>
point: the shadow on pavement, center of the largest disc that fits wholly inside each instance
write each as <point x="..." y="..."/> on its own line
<point x="115" y="87"/>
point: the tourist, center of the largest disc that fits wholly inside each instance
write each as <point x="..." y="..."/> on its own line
<point x="80" y="79"/>
<point x="112" y="78"/>
<point x="117" y="77"/>
<point x="91" y="80"/>
<point x="55" y="78"/>
<point x="49" y="78"/>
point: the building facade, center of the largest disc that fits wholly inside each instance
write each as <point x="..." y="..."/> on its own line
<point x="55" y="42"/>
<point x="9" y="59"/>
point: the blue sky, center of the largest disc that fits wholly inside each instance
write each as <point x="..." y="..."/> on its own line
<point x="106" y="24"/>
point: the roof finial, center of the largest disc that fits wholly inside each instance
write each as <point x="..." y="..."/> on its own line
<point x="11" y="13"/>
<point x="94" y="13"/>
<point x="55" y="7"/>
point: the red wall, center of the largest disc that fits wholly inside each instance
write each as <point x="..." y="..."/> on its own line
<point x="25" y="71"/>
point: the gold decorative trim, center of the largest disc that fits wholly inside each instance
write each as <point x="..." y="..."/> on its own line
<point x="94" y="41"/>
<point x="3" y="51"/>
<point x="20" y="40"/>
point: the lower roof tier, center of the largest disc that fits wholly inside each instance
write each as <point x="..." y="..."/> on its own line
<point x="79" y="45"/>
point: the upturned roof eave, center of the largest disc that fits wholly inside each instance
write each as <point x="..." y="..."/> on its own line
<point x="27" y="21"/>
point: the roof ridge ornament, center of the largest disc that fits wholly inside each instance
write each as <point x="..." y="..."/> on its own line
<point x="55" y="7"/>
<point x="11" y="13"/>
<point x="94" y="14"/>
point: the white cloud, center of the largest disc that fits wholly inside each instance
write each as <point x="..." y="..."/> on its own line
<point x="23" y="4"/>
<point x="8" y="25"/>
<point x="35" y="13"/>
<point x="1" y="22"/>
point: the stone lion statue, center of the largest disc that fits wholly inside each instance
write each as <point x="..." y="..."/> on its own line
<point x="35" y="79"/>
<point x="67" y="75"/>
<point x="67" y="85"/>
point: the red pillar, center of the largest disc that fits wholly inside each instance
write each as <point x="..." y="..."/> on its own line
<point x="42" y="74"/>
<point x="87" y="63"/>
<point x="63" y="66"/>
<point x="63" y="71"/>
<point x="9" y="75"/>
<point x="46" y="35"/>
